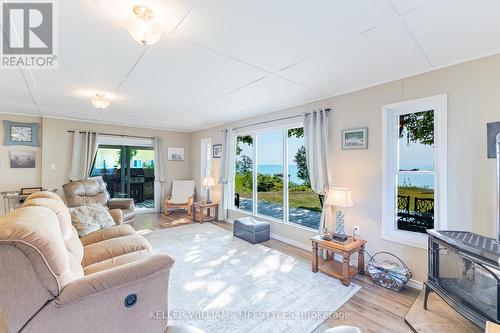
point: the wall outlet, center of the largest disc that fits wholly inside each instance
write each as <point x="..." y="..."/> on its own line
<point x="356" y="230"/>
<point x="52" y="166"/>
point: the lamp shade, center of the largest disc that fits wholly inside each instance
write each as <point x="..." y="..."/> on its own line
<point x="339" y="197"/>
<point x="208" y="181"/>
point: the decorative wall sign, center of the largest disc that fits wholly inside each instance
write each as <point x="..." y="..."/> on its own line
<point x="21" y="134"/>
<point x="356" y="138"/>
<point x="22" y="159"/>
<point x="175" y="154"/>
<point x="217" y="151"/>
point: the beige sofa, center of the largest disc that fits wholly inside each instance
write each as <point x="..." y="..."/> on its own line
<point x="93" y="190"/>
<point x="52" y="281"/>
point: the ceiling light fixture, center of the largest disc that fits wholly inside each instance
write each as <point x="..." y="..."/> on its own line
<point x="100" y="101"/>
<point x="143" y="27"/>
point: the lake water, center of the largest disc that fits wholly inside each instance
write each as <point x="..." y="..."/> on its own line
<point x="274" y="169"/>
<point x="419" y="180"/>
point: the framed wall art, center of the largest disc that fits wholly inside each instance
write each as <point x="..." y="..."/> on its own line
<point x="21" y="134"/>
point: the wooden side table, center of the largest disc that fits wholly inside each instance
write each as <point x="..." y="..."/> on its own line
<point x="199" y="208"/>
<point x="340" y="270"/>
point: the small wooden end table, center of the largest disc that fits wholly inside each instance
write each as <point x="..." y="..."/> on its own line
<point x="340" y="270"/>
<point x="199" y="214"/>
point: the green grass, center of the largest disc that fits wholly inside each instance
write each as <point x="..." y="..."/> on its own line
<point x="415" y="192"/>
<point x="297" y="199"/>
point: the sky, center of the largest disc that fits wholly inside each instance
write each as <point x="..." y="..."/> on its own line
<point x="271" y="148"/>
<point x="415" y="155"/>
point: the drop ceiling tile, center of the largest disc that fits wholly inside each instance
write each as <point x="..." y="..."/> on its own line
<point x="184" y="66"/>
<point x="454" y="31"/>
<point x="65" y="102"/>
<point x="74" y="81"/>
<point x="132" y="121"/>
<point x="90" y="114"/>
<point x="211" y="114"/>
<point x="158" y="98"/>
<point x="380" y="55"/>
<point x="404" y="6"/>
<point x="92" y="41"/>
<point x="271" y="34"/>
<point x="15" y="95"/>
<point x="271" y="93"/>
<point x="120" y="110"/>
<point x="12" y="77"/>
<point x="19" y="108"/>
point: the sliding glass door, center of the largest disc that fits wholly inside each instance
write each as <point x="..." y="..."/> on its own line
<point x="128" y="172"/>
<point x="271" y="177"/>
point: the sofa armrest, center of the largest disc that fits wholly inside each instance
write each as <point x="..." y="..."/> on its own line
<point x="126" y="203"/>
<point x="117" y="215"/>
<point x="120" y="276"/>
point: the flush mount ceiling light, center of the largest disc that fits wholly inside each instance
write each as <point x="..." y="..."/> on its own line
<point x="100" y="101"/>
<point x="143" y="27"/>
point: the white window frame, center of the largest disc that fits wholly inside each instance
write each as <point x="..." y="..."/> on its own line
<point x="254" y="134"/>
<point x="390" y="114"/>
<point x="206" y="161"/>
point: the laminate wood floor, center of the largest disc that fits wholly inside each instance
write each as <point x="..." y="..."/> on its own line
<point x="372" y="308"/>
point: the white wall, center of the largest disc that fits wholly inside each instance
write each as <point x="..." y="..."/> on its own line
<point x="473" y="100"/>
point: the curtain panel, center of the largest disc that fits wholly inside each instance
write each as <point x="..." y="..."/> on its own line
<point x="160" y="174"/>
<point x="83" y="155"/>
<point x="317" y="143"/>
<point x="227" y="168"/>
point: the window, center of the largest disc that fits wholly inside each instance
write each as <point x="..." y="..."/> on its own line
<point x="414" y="169"/>
<point x="277" y="184"/>
<point x="206" y="160"/>
<point x="127" y="170"/>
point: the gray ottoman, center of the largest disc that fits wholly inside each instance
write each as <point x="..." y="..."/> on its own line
<point x="251" y="230"/>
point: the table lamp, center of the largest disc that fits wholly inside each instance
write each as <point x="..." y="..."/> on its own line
<point x="209" y="182"/>
<point x="340" y="198"/>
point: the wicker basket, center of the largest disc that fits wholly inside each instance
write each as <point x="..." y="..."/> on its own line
<point x="389" y="274"/>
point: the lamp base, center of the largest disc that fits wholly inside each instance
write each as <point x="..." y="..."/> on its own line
<point x="339" y="238"/>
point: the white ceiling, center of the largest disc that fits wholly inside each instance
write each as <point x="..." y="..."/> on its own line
<point x="223" y="60"/>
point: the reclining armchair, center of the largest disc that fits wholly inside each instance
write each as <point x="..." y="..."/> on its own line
<point x="52" y="281"/>
<point x="93" y="190"/>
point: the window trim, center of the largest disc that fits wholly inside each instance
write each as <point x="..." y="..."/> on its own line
<point x="254" y="133"/>
<point x="389" y="230"/>
<point x="205" y="155"/>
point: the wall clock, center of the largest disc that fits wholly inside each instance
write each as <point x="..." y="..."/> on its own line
<point x="21" y="134"/>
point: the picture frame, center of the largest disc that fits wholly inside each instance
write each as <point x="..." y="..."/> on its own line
<point x="175" y="154"/>
<point x="21" y="134"/>
<point x="22" y="159"/>
<point x="355" y="138"/>
<point x="217" y="151"/>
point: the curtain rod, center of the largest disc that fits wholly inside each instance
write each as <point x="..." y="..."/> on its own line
<point x="271" y="121"/>
<point x="121" y="135"/>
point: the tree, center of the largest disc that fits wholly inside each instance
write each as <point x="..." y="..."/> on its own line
<point x="244" y="165"/>
<point x="301" y="161"/>
<point x="417" y="127"/>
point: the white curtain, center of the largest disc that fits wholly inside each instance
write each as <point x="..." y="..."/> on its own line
<point x="160" y="173"/>
<point x="226" y="174"/>
<point x="316" y="138"/>
<point x="84" y="151"/>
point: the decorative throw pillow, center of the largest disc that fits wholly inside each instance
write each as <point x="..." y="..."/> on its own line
<point x="90" y="218"/>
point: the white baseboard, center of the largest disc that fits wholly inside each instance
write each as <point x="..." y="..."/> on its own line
<point x="291" y="242"/>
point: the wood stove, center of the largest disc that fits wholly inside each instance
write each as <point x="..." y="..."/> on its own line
<point x="464" y="270"/>
<point x="464" y="267"/>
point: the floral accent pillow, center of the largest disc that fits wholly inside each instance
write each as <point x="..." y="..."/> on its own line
<point x="90" y="218"/>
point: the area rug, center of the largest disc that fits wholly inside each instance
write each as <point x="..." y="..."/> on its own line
<point x="223" y="284"/>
